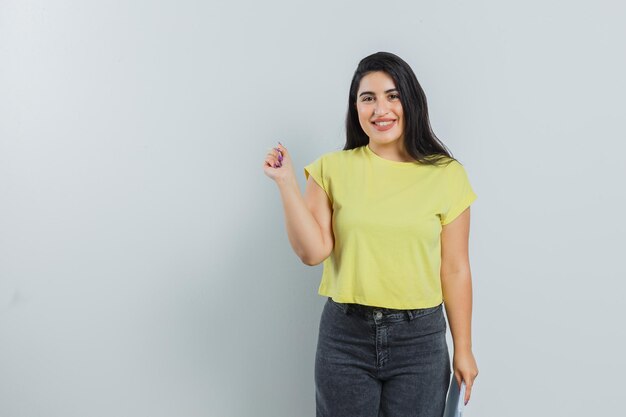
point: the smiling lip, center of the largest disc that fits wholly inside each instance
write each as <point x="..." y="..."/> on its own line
<point x="384" y="128"/>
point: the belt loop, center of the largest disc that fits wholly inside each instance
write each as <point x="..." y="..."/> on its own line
<point x="411" y="314"/>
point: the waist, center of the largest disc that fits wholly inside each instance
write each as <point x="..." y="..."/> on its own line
<point x="378" y="312"/>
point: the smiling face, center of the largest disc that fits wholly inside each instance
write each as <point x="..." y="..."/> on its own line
<point x="379" y="109"/>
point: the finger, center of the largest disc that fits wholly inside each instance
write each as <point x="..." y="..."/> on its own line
<point x="275" y="152"/>
<point x="280" y="156"/>
<point x="468" y="392"/>
<point x="459" y="378"/>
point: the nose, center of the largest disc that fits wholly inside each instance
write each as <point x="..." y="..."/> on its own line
<point x="380" y="108"/>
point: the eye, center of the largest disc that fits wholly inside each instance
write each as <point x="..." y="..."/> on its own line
<point x="366" y="98"/>
<point x="394" y="96"/>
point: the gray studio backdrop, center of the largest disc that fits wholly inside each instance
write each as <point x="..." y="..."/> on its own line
<point x="145" y="268"/>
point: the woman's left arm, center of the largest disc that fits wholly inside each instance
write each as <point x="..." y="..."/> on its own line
<point x="456" y="282"/>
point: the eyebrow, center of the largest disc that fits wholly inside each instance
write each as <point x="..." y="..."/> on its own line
<point x="371" y="92"/>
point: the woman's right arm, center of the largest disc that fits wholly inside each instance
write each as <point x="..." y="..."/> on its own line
<point x="308" y="220"/>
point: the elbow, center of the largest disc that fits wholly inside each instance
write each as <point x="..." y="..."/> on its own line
<point x="314" y="260"/>
<point x="310" y="261"/>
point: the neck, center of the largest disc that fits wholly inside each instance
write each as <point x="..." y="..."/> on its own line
<point x="394" y="151"/>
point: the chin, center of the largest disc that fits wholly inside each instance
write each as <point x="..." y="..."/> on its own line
<point x="383" y="138"/>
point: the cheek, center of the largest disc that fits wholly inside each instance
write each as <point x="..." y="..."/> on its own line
<point x="363" y="118"/>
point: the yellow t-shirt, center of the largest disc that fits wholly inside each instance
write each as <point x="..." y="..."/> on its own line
<point x="387" y="219"/>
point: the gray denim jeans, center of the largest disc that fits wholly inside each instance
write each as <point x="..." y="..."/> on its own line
<point x="381" y="362"/>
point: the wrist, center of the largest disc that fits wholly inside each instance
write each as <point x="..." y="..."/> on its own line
<point x="463" y="347"/>
<point x="286" y="183"/>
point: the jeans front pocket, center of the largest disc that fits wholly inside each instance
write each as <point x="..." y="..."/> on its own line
<point x="340" y="306"/>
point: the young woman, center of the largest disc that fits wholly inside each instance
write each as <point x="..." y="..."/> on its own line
<point x="389" y="216"/>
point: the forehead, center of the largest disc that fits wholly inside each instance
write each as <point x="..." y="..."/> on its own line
<point x="377" y="81"/>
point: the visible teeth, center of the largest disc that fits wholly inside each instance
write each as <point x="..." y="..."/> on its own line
<point x="383" y="123"/>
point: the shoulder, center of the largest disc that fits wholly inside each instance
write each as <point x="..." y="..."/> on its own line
<point x="336" y="156"/>
<point x="451" y="171"/>
<point x="453" y="167"/>
<point x="456" y="177"/>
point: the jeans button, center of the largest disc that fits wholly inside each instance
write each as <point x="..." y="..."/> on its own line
<point x="379" y="314"/>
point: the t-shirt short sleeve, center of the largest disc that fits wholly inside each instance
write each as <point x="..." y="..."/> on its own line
<point x="459" y="192"/>
<point x="318" y="169"/>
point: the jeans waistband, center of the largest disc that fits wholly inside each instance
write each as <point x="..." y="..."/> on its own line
<point x="372" y="311"/>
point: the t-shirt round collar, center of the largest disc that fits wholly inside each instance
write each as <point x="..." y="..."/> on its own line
<point x="389" y="162"/>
